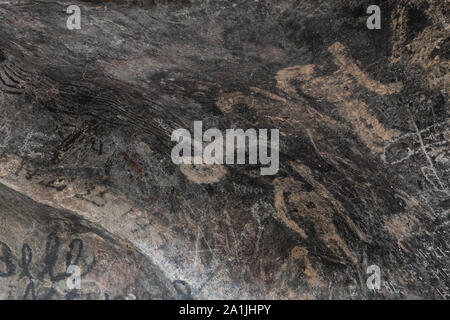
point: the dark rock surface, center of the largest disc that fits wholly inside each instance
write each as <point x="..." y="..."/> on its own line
<point x="86" y="176"/>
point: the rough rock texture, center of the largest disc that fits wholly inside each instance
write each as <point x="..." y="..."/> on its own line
<point x="86" y="175"/>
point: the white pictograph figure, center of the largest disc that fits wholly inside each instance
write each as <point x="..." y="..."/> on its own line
<point x="432" y="143"/>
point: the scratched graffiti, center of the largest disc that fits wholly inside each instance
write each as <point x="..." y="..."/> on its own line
<point x="42" y="277"/>
<point x="430" y="147"/>
<point x="107" y="271"/>
<point x="116" y="270"/>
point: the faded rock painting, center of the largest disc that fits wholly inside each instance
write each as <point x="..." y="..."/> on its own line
<point x="86" y="176"/>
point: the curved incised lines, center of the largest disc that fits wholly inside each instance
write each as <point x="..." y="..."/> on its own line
<point x="12" y="77"/>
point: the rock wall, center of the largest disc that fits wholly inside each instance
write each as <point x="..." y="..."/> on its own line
<point x="86" y="176"/>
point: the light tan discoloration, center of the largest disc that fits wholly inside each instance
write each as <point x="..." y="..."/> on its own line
<point x="285" y="76"/>
<point x="9" y="166"/>
<point x="406" y="224"/>
<point x="413" y="205"/>
<point x="349" y="67"/>
<point x="204" y="173"/>
<point x="338" y="89"/>
<point x="280" y="205"/>
<point x="269" y="95"/>
<point x="291" y="117"/>
<point x="317" y="206"/>
<point x="400" y="226"/>
<point x="300" y="253"/>
<point x="325" y="194"/>
<point x="418" y="52"/>
<point x="228" y="100"/>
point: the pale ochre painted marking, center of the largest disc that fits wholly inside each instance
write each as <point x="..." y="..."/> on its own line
<point x="339" y="89"/>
